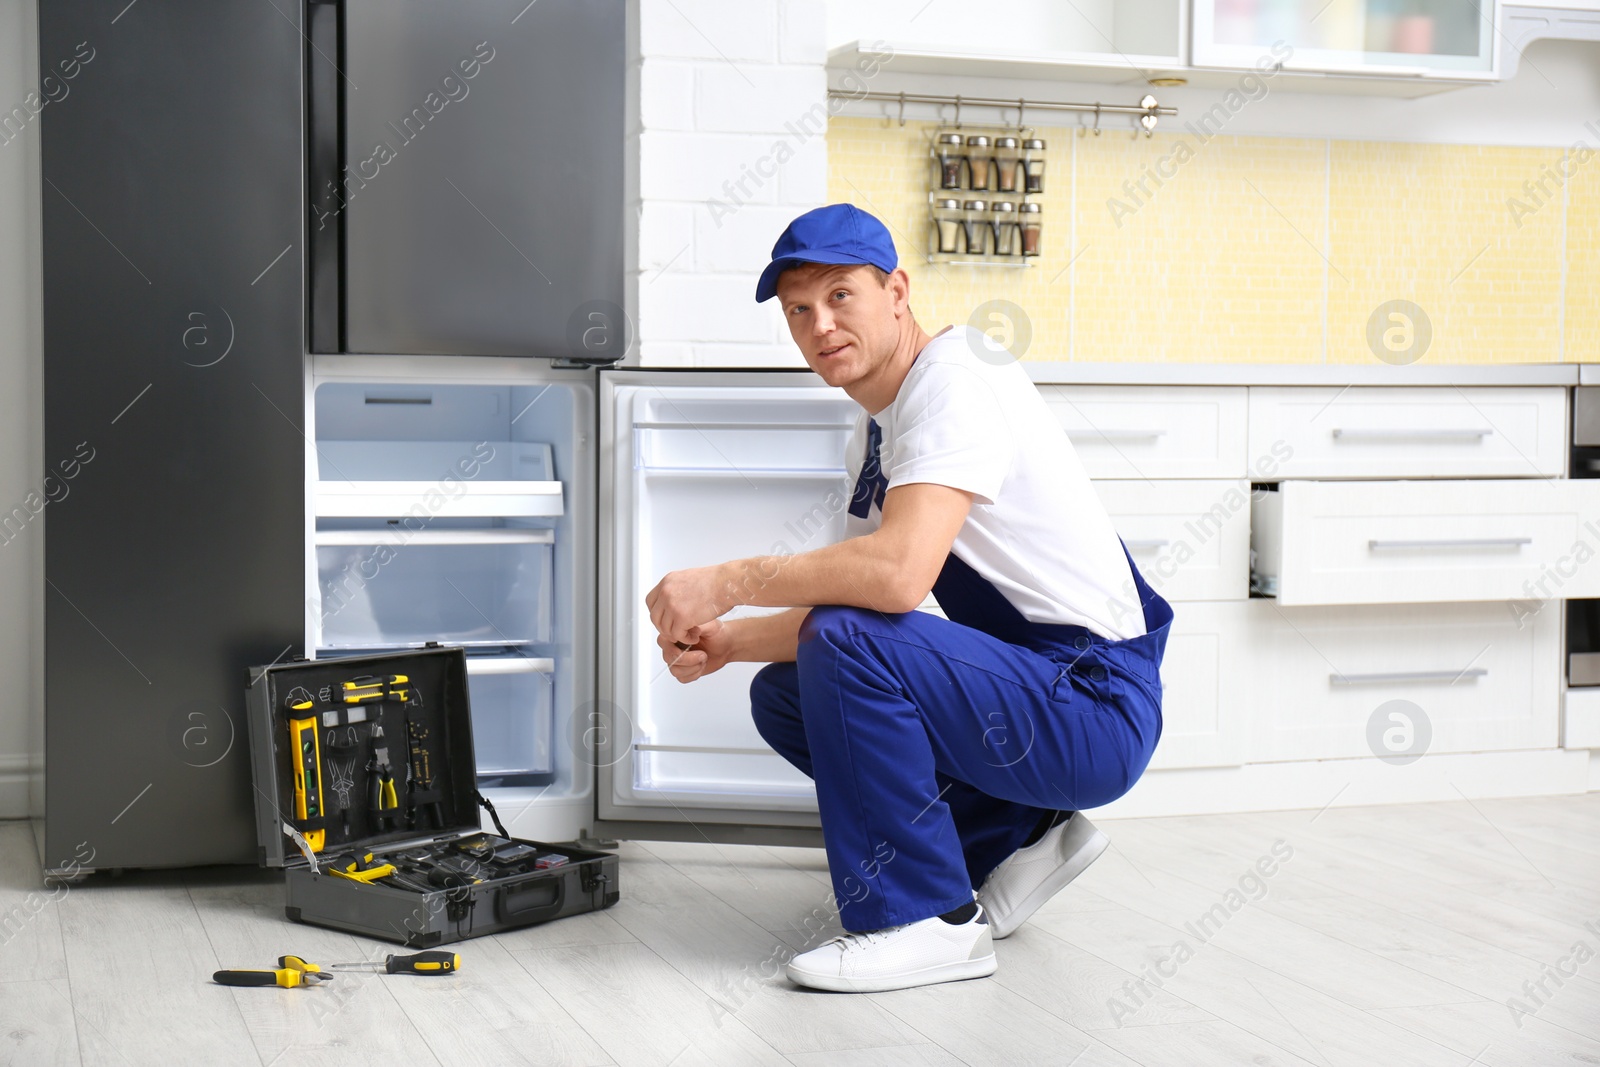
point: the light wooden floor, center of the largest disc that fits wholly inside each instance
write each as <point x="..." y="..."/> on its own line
<point x="1390" y="936"/>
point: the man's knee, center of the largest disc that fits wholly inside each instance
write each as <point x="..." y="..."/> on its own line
<point x="774" y="689"/>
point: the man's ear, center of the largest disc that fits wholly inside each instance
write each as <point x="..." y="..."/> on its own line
<point x="900" y="288"/>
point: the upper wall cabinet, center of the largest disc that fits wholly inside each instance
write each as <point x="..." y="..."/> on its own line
<point x="1105" y="40"/>
<point x="1451" y="39"/>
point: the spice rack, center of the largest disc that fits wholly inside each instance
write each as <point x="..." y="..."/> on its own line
<point x="981" y="183"/>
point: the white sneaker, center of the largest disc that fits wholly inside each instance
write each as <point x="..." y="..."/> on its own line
<point x="1030" y="876"/>
<point x="920" y="953"/>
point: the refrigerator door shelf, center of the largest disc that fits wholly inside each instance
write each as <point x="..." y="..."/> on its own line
<point x="812" y="447"/>
<point x="402" y="499"/>
<point x="481" y="592"/>
<point x="511" y="714"/>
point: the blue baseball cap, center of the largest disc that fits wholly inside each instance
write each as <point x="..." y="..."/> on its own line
<point x="838" y="233"/>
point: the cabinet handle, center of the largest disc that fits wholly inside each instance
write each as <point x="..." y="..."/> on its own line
<point x="1450" y="542"/>
<point x="1135" y="546"/>
<point x="701" y="427"/>
<point x="1448" y="677"/>
<point x="1115" y="435"/>
<point x="1469" y="436"/>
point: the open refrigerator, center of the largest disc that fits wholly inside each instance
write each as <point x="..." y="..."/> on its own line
<point x="522" y="511"/>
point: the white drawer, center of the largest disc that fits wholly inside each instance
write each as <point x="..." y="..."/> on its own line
<point x="1481" y="678"/>
<point x="1581" y="718"/>
<point x="1147" y="432"/>
<point x="1190" y="539"/>
<point x="1203" y="682"/>
<point x="1383" y="432"/>
<point x="1415" y="542"/>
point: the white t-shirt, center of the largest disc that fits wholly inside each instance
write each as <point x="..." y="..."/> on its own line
<point x="1036" y="531"/>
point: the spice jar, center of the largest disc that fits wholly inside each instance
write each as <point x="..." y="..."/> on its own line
<point x="1003" y="221"/>
<point x="980" y="161"/>
<point x="975" y="226"/>
<point x="1033" y="166"/>
<point x="947" y="219"/>
<point x="951" y="152"/>
<point x="1007" y="164"/>
<point x="1028" y="217"/>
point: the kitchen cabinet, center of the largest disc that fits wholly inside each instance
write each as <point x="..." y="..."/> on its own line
<point x="1393" y="38"/>
<point x="1136" y="432"/>
<point x="1399" y="432"/>
<point x="1206" y="687"/>
<point x="1471" y="678"/>
<point x="1190" y="539"/>
<point x="1417" y="542"/>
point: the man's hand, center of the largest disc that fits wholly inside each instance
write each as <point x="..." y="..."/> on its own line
<point x="687" y="599"/>
<point x="712" y="645"/>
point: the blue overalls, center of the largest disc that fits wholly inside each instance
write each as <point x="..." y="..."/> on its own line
<point x="938" y="744"/>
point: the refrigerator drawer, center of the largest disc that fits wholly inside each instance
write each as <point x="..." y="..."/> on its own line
<point x="511" y="723"/>
<point x="1416" y="542"/>
<point x="471" y="587"/>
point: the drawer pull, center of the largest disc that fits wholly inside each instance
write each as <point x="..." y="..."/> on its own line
<point x="1448" y="677"/>
<point x="1149" y="545"/>
<point x="1449" y="542"/>
<point x="1469" y="436"/>
<point x="1115" y="435"/>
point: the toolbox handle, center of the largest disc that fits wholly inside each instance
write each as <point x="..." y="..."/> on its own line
<point x="512" y="904"/>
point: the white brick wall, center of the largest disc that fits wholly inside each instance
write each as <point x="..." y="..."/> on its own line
<point x="732" y="115"/>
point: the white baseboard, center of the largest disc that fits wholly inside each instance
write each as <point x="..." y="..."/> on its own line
<point x="15" y="774"/>
<point x="1315" y="784"/>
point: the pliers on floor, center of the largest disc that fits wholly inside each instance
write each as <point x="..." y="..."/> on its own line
<point x="291" y="971"/>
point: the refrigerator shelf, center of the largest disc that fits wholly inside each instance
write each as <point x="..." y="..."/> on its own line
<point x="397" y="499"/>
<point x="397" y="537"/>
<point x="765" y="472"/>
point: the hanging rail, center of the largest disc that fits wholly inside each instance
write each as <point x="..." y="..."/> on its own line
<point x="1146" y="109"/>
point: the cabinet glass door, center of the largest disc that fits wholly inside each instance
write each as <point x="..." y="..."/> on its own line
<point x="1439" y="38"/>
<point x="704" y="468"/>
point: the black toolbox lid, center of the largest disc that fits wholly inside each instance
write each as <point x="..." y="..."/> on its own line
<point x="426" y="723"/>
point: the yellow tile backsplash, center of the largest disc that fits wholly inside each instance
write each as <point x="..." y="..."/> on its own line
<point x="1262" y="249"/>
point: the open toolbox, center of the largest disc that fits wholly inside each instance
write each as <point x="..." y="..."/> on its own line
<point x="366" y="794"/>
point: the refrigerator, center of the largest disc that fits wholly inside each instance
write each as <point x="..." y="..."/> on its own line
<point x="334" y="293"/>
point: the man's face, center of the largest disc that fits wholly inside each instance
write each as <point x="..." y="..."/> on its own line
<point x="844" y="321"/>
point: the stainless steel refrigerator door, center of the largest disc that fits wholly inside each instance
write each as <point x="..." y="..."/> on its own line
<point x="698" y="468"/>
<point x="173" y="210"/>
<point x="483" y="197"/>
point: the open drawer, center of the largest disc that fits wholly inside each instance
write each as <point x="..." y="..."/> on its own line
<point x="1404" y="542"/>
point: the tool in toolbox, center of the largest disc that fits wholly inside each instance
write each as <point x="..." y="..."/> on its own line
<point x="291" y="972"/>
<point x="371" y="687"/>
<point x="421" y="792"/>
<point x="360" y="867"/>
<point x="342" y="771"/>
<point x="307" y="777"/>
<point x="381" y="795"/>
<point x="424" y="963"/>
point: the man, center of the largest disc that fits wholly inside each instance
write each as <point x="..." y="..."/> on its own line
<point x="951" y="755"/>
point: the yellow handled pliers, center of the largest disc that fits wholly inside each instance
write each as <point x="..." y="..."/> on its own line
<point x="292" y="971"/>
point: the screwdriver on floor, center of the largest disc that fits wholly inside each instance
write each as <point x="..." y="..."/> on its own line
<point x="434" y="962"/>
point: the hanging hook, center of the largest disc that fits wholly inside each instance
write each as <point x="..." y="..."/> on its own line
<point x="1148" y="119"/>
<point x="1022" y="127"/>
<point x="1097" y="118"/>
<point x="958" y="111"/>
<point x="902" y="107"/>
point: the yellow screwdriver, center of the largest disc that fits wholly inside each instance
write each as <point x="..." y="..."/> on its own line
<point x="434" y="962"/>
